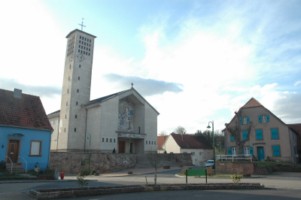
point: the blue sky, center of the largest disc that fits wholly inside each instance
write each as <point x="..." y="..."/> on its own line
<point x="193" y="60"/>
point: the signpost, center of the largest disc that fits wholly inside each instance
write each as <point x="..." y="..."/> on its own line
<point x="196" y="172"/>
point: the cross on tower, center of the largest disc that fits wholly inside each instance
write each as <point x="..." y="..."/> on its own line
<point x="82" y="24"/>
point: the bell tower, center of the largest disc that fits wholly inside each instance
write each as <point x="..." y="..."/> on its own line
<point x="75" y="90"/>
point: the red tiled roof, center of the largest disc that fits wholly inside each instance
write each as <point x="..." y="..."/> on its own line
<point x="252" y="103"/>
<point x="296" y="128"/>
<point x="25" y="111"/>
<point x="160" y="141"/>
<point x="188" y="141"/>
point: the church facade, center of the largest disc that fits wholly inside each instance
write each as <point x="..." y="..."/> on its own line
<point x="123" y="122"/>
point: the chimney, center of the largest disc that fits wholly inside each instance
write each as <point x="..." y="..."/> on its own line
<point x="17" y="93"/>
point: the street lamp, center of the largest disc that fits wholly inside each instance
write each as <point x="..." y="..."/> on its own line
<point x="213" y="143"/>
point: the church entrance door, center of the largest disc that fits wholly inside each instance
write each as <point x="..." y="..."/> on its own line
<point x="121" y="146"/>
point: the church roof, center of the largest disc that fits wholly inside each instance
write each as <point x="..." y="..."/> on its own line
<point x="77" y="30"/>
<point x="22" y="110"/>
<point x="105" y="98"/>
<point x="188" y="141"/>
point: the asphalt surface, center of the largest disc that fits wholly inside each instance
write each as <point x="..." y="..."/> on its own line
<point x="283" y="185"/>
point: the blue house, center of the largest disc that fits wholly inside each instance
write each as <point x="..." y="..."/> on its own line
<point x="25" y="131"/>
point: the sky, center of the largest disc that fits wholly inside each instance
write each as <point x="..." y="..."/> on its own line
<point x="194" y="61"/>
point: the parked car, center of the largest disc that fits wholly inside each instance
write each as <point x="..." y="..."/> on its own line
<point x="209" y="163"/>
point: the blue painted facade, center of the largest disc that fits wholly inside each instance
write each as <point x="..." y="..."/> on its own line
<point x="26" y="136"/>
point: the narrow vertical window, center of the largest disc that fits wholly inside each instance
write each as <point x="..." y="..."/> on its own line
<point x="259" y="134"/>
<point x="276" y="150"/>
<point x="274" y="134"/>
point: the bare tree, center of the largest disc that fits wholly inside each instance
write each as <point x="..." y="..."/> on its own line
<point x="235" y="129"/>
<point x="180" y="130"/>
<point x="154" y="161"/>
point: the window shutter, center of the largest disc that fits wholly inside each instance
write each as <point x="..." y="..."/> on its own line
<point x="229" y="151"/>
<point x="240" y="121"/>
<point x="251" y="150"/>
<point x="268" y="118"/>
<point x="260" y="119"/>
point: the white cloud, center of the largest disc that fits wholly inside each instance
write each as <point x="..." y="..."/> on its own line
<point x="26" y="44"/>
<point x="297" y="83"/>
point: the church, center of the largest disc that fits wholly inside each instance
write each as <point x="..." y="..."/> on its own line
<point x="122" y="122"/>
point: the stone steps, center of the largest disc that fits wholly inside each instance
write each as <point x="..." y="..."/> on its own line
<point x="15" y="168"/>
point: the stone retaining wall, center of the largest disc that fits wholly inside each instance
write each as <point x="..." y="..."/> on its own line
<point x="75" y="162"/>
<point x="243" y="168"/>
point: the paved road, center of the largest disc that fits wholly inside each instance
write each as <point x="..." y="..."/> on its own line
<point x="210" y="195"/>
<point x="288" y="185"/>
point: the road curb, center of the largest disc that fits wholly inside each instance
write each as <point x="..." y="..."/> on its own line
<point x="106" y="190"/>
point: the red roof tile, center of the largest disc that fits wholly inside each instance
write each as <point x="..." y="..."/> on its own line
<point x="188" y="141"/>
<point x="25" y="111"/>
<point x="252" y="103"/>
<point x="296" y="128"/>
<point x="160" y="141"/>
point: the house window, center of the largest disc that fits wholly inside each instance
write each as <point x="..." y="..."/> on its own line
<point x="233" y="151"/>
<point x="245" y="120"/>
<point x="110" y="140"/>
<point x="192" y="153"/>
<point x="107" y="140"/>
<point x="274" y="134"/>
<point x="74" y="129"/>
<point x="263" y="119"/>
<point x="245" y="135"/>
<point x="259" y="134"/>
<point x="232" y="138"/>
<point x="103" y="140"/>
<point x="276" y="150"/>
<point x="35" y="148"/>
<point x="246" y="150"/>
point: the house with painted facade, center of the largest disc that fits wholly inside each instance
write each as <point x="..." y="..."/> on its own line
<point x="256" y="131"/>
<point x="190" y="144"/>
<point x="122" y="122"/>
<point x="25" y="131"/>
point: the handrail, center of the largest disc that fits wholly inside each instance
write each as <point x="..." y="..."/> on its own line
<point x="24" y="162"/>
<point x="235" y="157"/>
<point x="11" y="164"/>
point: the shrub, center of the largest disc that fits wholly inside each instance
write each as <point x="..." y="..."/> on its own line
<point x="236" y="178"/>
<point x="84" y="172"/>
<point x="2" y="165"/>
